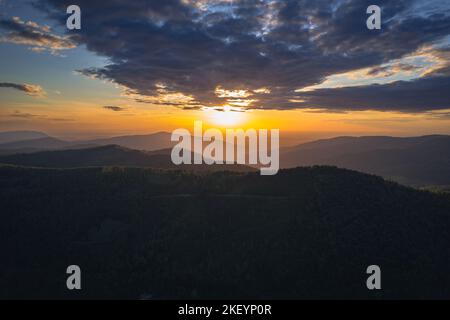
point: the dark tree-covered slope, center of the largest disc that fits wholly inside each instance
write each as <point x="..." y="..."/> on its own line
<point x="304" y="233"/>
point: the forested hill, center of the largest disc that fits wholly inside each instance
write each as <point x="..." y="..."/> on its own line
<point x="304" y="233"/>
<point x="109" y="155"/>
<point x="96" y="156"/>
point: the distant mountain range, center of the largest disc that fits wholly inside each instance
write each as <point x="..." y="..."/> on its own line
<point x="110" y="155"/>
<point x="11" y="142"/>
<point x="417" y="161"/>
<point x="413" y="161"/>
<point x="148" y="142"/>
<point x="35" y="144"/>
<point x="40" y="144"/>
<point x="12" y="136"/>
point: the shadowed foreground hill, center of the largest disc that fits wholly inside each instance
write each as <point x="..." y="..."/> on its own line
<point x="304" y="233"/>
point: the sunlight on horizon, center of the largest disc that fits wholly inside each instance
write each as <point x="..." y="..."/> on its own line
<point x="227" y="116"/>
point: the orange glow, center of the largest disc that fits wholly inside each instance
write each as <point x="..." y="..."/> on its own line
<point x="88" y="119"/>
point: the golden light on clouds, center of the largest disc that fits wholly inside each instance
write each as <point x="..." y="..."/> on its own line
<point x="240" y="97"/>
<point x="224" y="93"/>
<point x="423" y="62"/>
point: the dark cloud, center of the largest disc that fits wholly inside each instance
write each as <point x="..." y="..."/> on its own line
<point x="192" y="108"/>
<point x="30" y="89"/>
<point x="30" y="33"/>
<point x="114" y="108"/>
<point x="387" y="71"/>
<point x="410" y="96"/>
<point x="193" y="47"/>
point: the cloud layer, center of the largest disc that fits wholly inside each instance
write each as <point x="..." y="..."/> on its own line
<point x="29" y="89"/>
<point x="39" y="38"/>
<point x="259" y="53"/>
<point x="114" y="108"/>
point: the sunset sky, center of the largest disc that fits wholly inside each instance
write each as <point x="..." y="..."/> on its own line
<point x="310" y="68"/>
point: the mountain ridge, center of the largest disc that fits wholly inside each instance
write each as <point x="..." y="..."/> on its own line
<point x="12" y="136"/>
<point x="108" y="155"/>
<point x="415" y="161"/>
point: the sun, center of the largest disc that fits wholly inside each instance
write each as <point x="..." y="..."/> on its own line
<point x="228" y="116"/>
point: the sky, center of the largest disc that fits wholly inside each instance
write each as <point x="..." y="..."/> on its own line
<point x="309" y="68"/>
